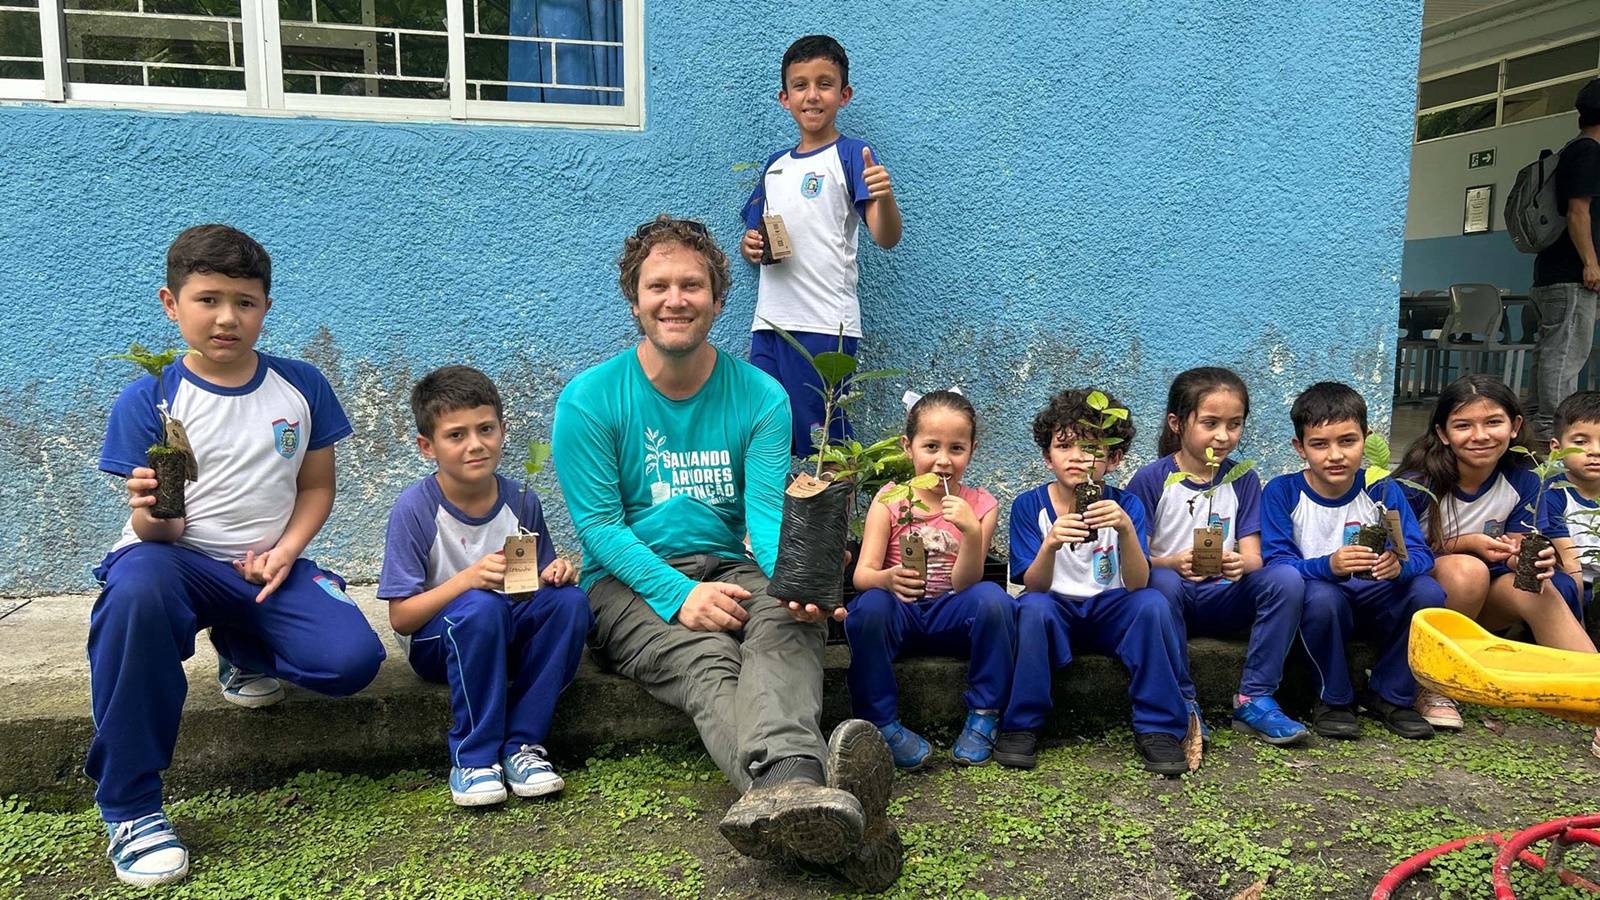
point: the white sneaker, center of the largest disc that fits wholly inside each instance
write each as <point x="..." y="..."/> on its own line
<point x="146" y="851"/>
<point x="1439" y="711"/>
<point x="477" y="785"/>
<point x="529" y="774"/>
<point x="251" y="690"/>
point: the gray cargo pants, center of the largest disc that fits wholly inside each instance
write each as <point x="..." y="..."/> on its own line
<point x="1566" y="335"/>
<point x="755" y="695"/>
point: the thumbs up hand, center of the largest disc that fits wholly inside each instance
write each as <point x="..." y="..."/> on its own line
<point x="876" y="177"/>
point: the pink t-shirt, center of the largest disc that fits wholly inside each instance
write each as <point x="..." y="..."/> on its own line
<point x="942" y="539"/>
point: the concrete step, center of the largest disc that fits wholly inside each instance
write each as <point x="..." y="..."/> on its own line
<point x="400" y="720"/>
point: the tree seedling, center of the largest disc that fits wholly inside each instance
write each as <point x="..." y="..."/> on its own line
<point x="1208" y="541"/>
<point x="913" y="552"/>
<point x="171" y="457"/>
<point x="522" y="548"/>
<point x="1534" y="542"/>
<point x="1093" y="438"/>
<point x="1387" y="531"/>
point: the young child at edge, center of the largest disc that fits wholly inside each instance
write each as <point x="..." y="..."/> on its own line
<point x="1309" y="520"/>
<point x="1206" y="410"/>
<point x="1486" y="498"/>
<point x="1088" y="580"/>
<point x="444" y="569"/>
<point x="953" y="612"/>
<point x="262" y="429"/>
<point x="821" y="188"/>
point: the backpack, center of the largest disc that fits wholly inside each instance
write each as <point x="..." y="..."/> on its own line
<point x="1531" y="215"/>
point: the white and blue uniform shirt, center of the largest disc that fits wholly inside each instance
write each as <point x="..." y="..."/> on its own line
<point x="821" y="196"/>
<point x="1176" y="510"/>
<point x="1563" y="516"/>
<point x="430" y="540"/>
<point x="1094" y="567"/>
<point x="1499" y="505"/>
<point x="1302" y="528"/>
<point x="249" y="442"/>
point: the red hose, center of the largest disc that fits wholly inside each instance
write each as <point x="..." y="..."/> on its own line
<point x="1573" y="829"/>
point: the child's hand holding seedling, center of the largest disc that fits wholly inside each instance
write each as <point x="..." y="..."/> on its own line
<point x="141" y="488"/>
<point x="907" y="583"/>
<point x="1485" y="546"/>
<point x="1387" y="567"/>
<point x="1352" y="558"/>
<point x="1069" y="528"/>
<point x="487" y="574"/>
<point x="1107" y="514"/>
<point x="1232" y="565"/>
<point x="558" y="573"/>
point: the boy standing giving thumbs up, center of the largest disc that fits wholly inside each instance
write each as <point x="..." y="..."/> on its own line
<point x="801" y="222"/>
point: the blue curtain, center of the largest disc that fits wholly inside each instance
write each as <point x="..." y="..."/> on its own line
<point x="590" y="20"/>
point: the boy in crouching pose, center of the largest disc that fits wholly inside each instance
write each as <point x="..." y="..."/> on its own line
<point x="444" y="571"/>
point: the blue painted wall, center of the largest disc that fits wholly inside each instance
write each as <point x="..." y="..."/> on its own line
<point x="1109" y="192"/>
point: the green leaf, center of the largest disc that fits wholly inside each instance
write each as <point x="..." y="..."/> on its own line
<point x="1419" y="488"/>
<point x="834" y="367"/>
<point x="1110" y="441"/>
<point x="538" y="455"/>
<point x="791" y="340"/>
<point x="1518" y="448"/>
<point x="1565" y="452"/>
<point x="1097" y="401"/>
<point x="1559" y="485"/>
<point x="1237" y="472"/>
<point x="1176" y="477"/>
<point x="149" y="360"/>
<point x="1372" y="475"/>
<point x="1377" y="453"/>
<point x="875" y="374"/>
<point x="1116" y="413"/>
<point x="927" y="481"/>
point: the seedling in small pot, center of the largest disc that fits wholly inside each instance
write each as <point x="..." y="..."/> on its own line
<point x="1388" y="530"/>
<point x="913" y="552"/>
<point x="1534" y="542"/>
<point x="1208" y="541"/>
<point x="816" y="505"/>
<point x="1095" y="440"/>
<point x="522" y="548"/>
<point x="171" y="457"/>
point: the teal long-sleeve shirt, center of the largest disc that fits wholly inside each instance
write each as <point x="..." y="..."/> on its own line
<point x="648" y="478"/>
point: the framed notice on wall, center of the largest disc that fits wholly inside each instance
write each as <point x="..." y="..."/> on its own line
<point x="1475" y="218"/>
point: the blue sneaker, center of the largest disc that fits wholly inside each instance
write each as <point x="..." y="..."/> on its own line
<point x="1193" y="706"/>
<point x="1263" y="718"/>
<point x="908" y="748"/>
<point x="975" y="745"/>
<point x="529" y="774"/>
<point x="251" y="690"/>
<point x="146" y="851"/>
<point x="477" y="785"/>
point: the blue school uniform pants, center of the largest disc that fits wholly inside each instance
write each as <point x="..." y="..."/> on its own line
<point x="1138" y="627"/>
<point x="156" y="598"/>
<point x="505" y="663"/>
<point x="773" y="355"/>
<point x="979" y="622"/>
<point x="1267" y="601"/>
<point x="1337" y="611"/>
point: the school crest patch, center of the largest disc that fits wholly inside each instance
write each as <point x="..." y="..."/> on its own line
<point x="1494" y="528"/>
<point x="811" y="185"/>
<point x="286" y="437"/>
<point x="1351" y="529"/>
<point x="333" y="588"/>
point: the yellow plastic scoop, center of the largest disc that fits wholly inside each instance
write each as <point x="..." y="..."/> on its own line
<point x="1452" y="655"/>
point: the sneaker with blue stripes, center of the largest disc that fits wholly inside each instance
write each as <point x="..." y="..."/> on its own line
<point x="252" y="690"/>
<point x="1263" y="718"/>
<point x="477" y="785"/>
<point x="529" y="773"/>
<point x="146" y="851"/>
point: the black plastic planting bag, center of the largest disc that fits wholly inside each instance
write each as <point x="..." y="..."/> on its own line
<point x="810" y="567"/>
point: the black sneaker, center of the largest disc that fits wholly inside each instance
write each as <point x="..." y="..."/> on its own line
<point x="1017" y="749"/>
<point x="1335" y="721"/>
<point x="1161" y="752"/>
<point x="1402" y="720"/>
<point x="860" y="763"/>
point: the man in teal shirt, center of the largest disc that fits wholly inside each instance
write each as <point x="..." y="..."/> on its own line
<point x="668" y="455"/>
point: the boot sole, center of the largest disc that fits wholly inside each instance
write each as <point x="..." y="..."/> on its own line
<point x="859" y="763"/>
<point x="876" y="865"/>
<point x="818" y="832"/>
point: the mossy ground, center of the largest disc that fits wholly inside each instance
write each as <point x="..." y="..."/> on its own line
<point x="1088" y="823"/>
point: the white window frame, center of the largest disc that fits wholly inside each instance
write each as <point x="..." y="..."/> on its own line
<point x="1501" y="91"/>
<point x="263" y="75"/>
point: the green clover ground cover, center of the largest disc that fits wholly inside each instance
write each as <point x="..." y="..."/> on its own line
<point x="1319" y="822"/>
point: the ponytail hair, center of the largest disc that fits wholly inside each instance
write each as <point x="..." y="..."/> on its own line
<point x="952" y="400"/>
<point x="1429" y="460"/>
<point x="1188" y="390"/>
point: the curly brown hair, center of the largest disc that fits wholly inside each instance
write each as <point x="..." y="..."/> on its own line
<point x="665" y="229"/>
<point x="1066" y="414"/>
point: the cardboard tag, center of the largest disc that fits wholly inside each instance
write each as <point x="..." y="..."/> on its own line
<point x="178" y="439"/>
<point x="522" y="563"/>
<point x="777" y="236"/>
<point x="1397" y="535"/>
<point x="914" y="554"/>
<point x="804" y="486"/>
<point x="1207" y="560"/>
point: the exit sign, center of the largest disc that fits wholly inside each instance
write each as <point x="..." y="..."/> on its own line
<point x="1480" y="158"/>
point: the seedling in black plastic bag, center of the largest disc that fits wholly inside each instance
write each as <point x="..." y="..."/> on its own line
<point x="1534" y="542"/>
<point x="1377" y="536"/>
<point x="171" y="456"/>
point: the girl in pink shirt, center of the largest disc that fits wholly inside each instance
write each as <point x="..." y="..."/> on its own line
<point x="953" y="612"/>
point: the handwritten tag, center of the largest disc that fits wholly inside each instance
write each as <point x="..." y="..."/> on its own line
<point x="1207" y="559"/>
<point x="804" y="486"/>
<point x="522" y="563"/>
<point x="1397" y="535"/>
<point x="777" y="236"/>
<point x="914" y="554"/>
<point x="178" y="439"/>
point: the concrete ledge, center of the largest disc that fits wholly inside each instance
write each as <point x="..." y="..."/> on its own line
<point x="400" y="721"/>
